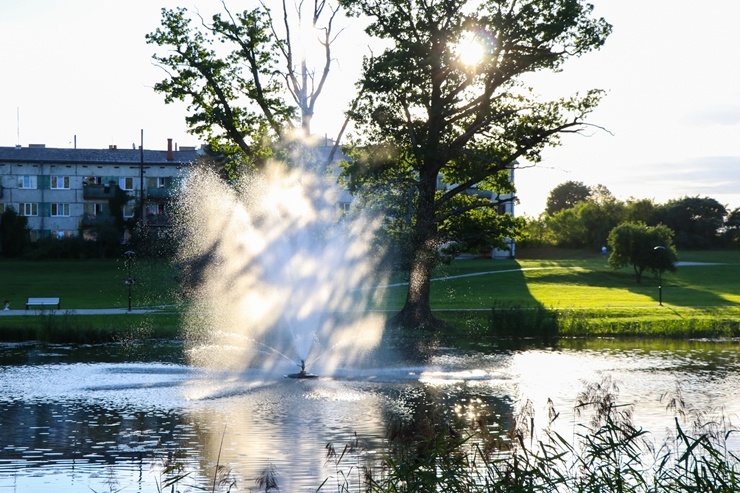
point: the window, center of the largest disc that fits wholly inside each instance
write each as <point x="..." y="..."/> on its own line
<point x="94" y="209"/>
<point x="28" y="209"/>
<point x="61" y="233"/>
<point x="92" y="180"/>
<point x="128" y="210"/>
<point x="27" y="182"/>
<point x="60" y="182"/>
<point x="161" y="182"/>
<point x="154" y="209"/>
<point x="126" y="183"/>
<point x="2" y="208"/>
<point x="59" y="210"/>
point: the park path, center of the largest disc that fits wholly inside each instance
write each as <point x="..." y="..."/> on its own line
<point x="472" y="274"/>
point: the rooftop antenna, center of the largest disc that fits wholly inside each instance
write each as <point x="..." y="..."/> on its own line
<point x="18" y="126"/>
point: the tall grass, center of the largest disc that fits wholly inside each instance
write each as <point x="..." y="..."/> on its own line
<point x="64" y="327"/>
<point x="512" y="322"/>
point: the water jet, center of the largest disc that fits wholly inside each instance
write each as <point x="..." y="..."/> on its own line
<point x="276" y="271"/>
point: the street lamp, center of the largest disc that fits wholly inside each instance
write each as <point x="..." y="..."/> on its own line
<point x="660" y="273"/>
<point x="129" y="281"/>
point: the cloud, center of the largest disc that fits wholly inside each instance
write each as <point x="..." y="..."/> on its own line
<point x="717" y="177"/>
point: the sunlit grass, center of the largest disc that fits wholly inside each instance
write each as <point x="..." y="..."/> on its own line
<point x="588" y="283"/>
<point x="580" y="295"/>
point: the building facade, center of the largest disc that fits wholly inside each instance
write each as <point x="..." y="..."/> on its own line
<point x="66" y="192"/>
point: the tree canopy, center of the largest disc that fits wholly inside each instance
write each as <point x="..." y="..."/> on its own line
<point x="566" y="195"/>
<point x="642" y="247"/>
<point x="441" y="125"/>
<point x="697" y="221"/>
<point x="15" y="235"/>
<point x="247" y="82"/>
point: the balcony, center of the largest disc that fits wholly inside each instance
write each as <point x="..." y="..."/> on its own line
<point x="158" y="194"/>
<point x="98" y="192"/>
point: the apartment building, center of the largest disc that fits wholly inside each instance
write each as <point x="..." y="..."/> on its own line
<point x="506" y="206"/>
<point x="65" y="192"/>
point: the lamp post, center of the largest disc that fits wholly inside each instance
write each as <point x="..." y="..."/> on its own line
<point x="660" y="249"/>
<point x="129" y="281"/>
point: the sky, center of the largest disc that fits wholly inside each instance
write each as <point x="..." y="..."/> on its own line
<point x="80" y="71"/>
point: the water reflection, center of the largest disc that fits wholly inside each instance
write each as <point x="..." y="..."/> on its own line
<point x="71" y="423"/>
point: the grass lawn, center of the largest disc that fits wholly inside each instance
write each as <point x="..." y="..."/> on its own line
<point x="87" y="283"/>
<point x="575" y="286"/>
<point x="583" y="296"/>
<point x="582" y="283"/>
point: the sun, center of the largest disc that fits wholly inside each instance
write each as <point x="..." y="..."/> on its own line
<point x="471" y="50"/>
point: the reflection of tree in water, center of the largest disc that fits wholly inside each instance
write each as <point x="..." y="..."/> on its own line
<point x="432" y="435"/>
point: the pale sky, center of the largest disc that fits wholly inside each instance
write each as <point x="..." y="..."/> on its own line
<point x="81" y="69"/>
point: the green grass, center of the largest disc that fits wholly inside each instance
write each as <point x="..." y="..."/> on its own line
<point x="574" y="290"/>
<point x="83" y="284"/>
<point x="90" y="329"/>
<point x="585" y="283"/>
<point x="581" y="295"/>
<point x="87" y="283"/>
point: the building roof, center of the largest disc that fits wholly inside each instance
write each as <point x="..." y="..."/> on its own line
<point x="41" y="154"/>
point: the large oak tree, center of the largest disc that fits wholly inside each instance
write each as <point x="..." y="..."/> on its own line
<point x="431" y="114"/>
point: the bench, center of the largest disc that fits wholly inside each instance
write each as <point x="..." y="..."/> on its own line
<point x="43" y="302"/>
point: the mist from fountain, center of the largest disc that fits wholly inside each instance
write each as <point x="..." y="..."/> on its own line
<point x="276" y="275"/>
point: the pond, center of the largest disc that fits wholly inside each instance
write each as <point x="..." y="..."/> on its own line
<point x="112" y="417"/>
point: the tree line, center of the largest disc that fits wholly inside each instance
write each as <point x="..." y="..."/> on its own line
<point x="580" y="216"/>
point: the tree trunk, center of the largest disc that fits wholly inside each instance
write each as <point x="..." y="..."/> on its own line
<point x="638" y="273"/>
<point x="417" y="311"/>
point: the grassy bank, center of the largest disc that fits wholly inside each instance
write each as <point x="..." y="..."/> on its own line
<point x="89" y="329"/>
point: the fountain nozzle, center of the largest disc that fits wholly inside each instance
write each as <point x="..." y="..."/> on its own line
<point x="303" y="373"/>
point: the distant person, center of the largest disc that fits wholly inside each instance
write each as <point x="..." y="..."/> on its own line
<point x="603" y="251"/>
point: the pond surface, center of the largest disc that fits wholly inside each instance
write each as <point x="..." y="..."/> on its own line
<point x="109" y="418"/>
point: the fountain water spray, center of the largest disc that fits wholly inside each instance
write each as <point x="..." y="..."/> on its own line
<point x="276" y="275"/>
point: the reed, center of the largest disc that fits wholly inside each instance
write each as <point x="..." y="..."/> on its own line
<point x="608" y="453"/>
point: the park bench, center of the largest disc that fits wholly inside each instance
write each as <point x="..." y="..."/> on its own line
<point x="43" y="302"/>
